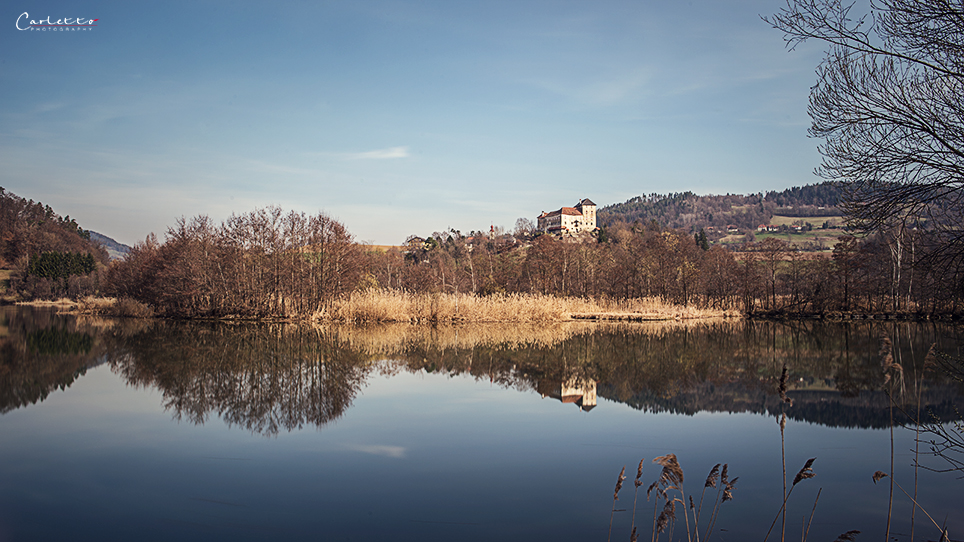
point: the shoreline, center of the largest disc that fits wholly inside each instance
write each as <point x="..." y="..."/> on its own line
<point x="445" y="309"/>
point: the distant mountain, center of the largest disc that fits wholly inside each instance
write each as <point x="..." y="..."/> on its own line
<point x="115" y="250"/>
<point x="688" y="211"/>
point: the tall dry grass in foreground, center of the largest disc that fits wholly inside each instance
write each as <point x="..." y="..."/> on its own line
<point x="667" y="490"/>
<point x="399" y="306"/>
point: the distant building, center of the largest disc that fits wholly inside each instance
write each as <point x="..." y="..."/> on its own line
<point x="577" y="219"/>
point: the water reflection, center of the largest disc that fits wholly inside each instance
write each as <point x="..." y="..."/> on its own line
<point x="277" y="377"/>
<point x="578" y="391"/>
<point x="42" y="351"/>
<point x="264" y="378"/>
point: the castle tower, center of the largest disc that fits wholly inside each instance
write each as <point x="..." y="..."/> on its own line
<point x="588" y="210"/>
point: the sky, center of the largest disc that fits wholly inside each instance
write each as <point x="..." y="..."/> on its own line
<point x="397" y="117"/>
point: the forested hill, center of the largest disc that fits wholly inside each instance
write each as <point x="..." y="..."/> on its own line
<point x="29" y="228"/>
<point x="689" y="211"/>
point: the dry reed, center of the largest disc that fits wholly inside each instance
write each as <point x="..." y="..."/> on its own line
<point x="880" y="474"/>
<point x="724" y="493"/>
<point x="711" y="479"/>
<point x="109" y="306"/>
<point x="670" y="479"/>
<point x="619" y="485"/>
<point x="373" y="305"/>
<point x="805" y="473"/>
<point x="637" y="482"/>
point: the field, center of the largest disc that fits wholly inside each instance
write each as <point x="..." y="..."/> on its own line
<point x="825" y="239"/>
<point x="820" y="238"/>
<point x="817" y="221"/>
<point x="384" y="248"/>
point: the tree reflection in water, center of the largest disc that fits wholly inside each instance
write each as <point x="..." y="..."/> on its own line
<point x="265" y="378"/>
<point x="273" y="377"/>
<point x="42" y="351"/>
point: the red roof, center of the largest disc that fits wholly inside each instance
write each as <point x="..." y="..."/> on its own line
<point x="563" y="211"/>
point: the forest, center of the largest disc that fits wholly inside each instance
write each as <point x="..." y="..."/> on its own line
<point x="52" y="255"/>
<point x="691" y="212"/>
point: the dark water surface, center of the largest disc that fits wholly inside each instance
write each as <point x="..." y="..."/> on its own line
<point x="121" y="430"/>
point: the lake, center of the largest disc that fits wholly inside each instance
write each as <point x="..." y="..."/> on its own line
<point x="163" y="430"/>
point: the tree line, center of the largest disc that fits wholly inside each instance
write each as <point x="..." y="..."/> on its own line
<point x="268" y="263"/>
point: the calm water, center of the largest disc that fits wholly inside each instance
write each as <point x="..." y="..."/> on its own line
<point x="167" y="430"/>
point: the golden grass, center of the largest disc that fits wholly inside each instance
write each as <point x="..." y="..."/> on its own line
<point x="373" y="306"/>
<point x="63" y="302"/>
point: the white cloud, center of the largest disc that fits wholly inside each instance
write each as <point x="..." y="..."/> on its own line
<point x="380" y="154"/>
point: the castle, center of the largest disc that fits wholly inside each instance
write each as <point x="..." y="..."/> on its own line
<point x="577" y="219"/>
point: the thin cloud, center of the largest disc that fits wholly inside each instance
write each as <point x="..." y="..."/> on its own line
<point x="380" y="154"/>
<point x="47" y="107"/>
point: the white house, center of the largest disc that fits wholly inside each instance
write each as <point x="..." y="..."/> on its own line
<point x="577" y="219"/>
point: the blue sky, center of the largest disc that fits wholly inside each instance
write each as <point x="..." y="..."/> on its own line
<point x="398" y="117"/>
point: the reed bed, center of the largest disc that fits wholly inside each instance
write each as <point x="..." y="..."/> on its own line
<point x="110" y="306"/>
<point x="376" y="306"/>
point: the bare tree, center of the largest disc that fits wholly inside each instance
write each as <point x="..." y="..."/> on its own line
<point x="888" y="106"/>
<point x="524" y="227"/>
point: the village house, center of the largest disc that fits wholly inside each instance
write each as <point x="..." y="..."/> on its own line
<point x="577" y="219"/>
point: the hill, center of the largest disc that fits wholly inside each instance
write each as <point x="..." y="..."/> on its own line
<point x="115" y="250"/>
<point x="688" y="211"/>
<point x="29" y="228"/>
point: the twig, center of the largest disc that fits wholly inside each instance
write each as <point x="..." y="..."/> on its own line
<point x="807" y="532"/>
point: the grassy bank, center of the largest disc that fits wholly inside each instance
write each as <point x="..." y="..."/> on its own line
<point x="395" y="306"/>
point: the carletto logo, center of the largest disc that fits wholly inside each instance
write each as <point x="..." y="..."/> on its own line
<point x="24" y="22"/>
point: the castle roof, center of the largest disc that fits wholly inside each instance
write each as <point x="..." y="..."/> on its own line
<point x="564" y="211"/>
<point x="585" y="201"/>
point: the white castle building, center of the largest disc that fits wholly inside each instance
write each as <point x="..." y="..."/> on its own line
<point x="577" y="219"/>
